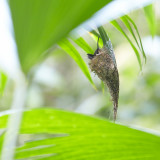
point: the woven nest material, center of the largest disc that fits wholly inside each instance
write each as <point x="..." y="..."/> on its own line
<point x="103" y="65"/>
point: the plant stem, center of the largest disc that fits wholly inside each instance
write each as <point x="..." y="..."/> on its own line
<point x="14" y="120"/>
<point x="107" y="43"/>
<point x="103" y="34"/>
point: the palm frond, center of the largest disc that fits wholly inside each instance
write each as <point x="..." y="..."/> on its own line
<point x="66" y="45"/>
<point x="61" y="135"/>
<point x="150" y="16"/>
<point x="119" y="28"/>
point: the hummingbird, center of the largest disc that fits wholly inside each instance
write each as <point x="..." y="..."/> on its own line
<point x="103" y="64"/>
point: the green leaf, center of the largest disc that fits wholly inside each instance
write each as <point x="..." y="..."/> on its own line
<point x="64" y="135"/>
<point x="95" y="33"/>
<point x="150" y="15"/>
<point x="103" y="35"/>
<point x="39" y="24"/>
<point x="83" y="44"/>
<point x="3" y="80"/>
<point x="66" y="45"/>
<point x="2" y="132"/>
<point x="118" y="27"/>
<point x="95" y="36"/>
<point x="125" y="20"/>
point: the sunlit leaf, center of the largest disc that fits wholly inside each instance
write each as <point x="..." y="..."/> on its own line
<point x="3" y="80"/>
<point x="95" y="33"/>
<point x="2" y="131"/>
<point x="72" y="51"/>
<point x="150" y="15"/>
<point x="83" y="44"/>
<point x="118" y="27"/>
<point x="39" y="24"/>
<point x="126" y="19"/>
<point x="64" y="135"/>
<point x="95" y="36"/>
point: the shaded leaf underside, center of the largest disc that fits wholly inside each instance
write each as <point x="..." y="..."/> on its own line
<point x="39" y="25"/>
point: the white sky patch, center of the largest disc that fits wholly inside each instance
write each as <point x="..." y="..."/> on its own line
<point x="152" y="46"/>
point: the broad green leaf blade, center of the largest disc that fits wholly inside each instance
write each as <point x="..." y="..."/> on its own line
<point x="139" y="37"/>
<point x="71" y="50"/>
<point x="118" y="27"/>
<point x="83" y="44"/>
<point x="39" y="24"/>
<point x="150" y="15"/>
<point x="3" y="80"/>
<point x="82" y="138"/>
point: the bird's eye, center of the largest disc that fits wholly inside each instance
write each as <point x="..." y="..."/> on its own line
<point x="98" y="53"/>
